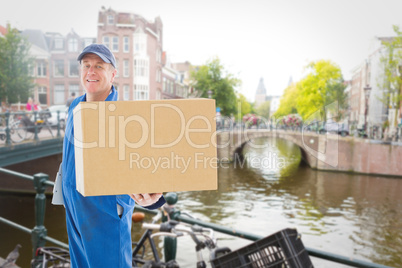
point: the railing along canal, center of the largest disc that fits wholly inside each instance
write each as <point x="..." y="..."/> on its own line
<point x="39" y="232"/>
<point x="14" y="126"/>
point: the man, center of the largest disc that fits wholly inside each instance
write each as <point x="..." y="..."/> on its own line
<point x="70" y="100"/>
<point x="98" y="227"/>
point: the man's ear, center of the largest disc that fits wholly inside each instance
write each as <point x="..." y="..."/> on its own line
<point x="113" y="75"/>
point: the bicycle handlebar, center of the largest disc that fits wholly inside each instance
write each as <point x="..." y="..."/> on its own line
<point x="176" y="229"/>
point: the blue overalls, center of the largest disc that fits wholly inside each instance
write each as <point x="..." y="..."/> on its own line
<point x="98" y="237"/>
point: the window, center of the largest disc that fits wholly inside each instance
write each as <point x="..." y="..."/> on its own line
<point x="73" y="68"/>
<point x="74" y="88"/>
<point x="140" y="42"/>
<point x="141" y="92"/>
<point x="126" y="45"/>
<point x="158" y="76"/>
<point x="115" y="43"/>
<point x="58" y="68"/>
<point x="42" y="95"/>
<point x="106" y="41"/>
<point x="125" y="68"/>
<point x="126" y="93"/>
<point x="158" y="55"/>
<point x="58" y="43"/>
<point x="41" y="69"/>
<point x="59" y="97"/>
<point x="72" y="45"/>
<point x="110" y="19"/>
<point x="141" y="67"/>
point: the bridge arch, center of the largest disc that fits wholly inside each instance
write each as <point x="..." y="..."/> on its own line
<point x="231" y="143"/>
<point x="294" y="137"/>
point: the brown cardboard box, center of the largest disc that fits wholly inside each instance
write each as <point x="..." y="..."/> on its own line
<point x="124" y="147"/>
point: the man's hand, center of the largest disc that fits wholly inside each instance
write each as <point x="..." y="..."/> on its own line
<point x="145" y="200"/>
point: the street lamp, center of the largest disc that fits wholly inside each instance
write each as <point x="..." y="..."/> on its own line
<point x="367" y="91"/>
<point x="209" y="94"/>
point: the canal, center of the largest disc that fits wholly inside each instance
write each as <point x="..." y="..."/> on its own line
<point x="356" y="216"/>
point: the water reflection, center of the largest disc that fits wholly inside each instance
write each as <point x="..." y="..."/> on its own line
<point x="356" y="216"/>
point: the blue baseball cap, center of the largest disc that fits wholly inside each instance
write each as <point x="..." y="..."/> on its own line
<point x="101" y="50"/>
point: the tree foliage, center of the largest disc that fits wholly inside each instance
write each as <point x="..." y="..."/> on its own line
<point x="212" y="76"/>
<point x="263" y="110"/>
<point x="244" y="107"/>
<point x="287" y="103"/>
<point x="15" y="81"/>
<point x="322" y="87"/>
<point x="316" y="93"/>
<point x="392" y="65"/>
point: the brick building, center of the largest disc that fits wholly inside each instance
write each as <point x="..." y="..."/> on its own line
<point x="40" y="71"/>
<point x="142" y="73"/>
<point x="137" y="45"/>
<point x="64" y="68"/>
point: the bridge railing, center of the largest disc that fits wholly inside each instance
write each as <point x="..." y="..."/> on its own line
<point x="373" y="132"/>
<point x="39" y="232"/>
<point x="15" y="127"/>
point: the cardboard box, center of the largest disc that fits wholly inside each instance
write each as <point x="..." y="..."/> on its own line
<point x="125" y="147"/>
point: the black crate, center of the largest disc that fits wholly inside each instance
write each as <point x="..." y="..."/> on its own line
<point x="282" y="249"/>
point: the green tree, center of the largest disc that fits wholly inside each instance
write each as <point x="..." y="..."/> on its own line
<point x="15" y="81"/>
<point x="322" y="86"/>
<point x="391" y="82"/>
<point x="288" y="103"/>
<point x="244" y="105"/>
<point x="213" y="77"/>
<point x="264" y="109"/>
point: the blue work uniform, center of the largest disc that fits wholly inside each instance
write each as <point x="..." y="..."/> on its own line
<point x="98" y="236"/>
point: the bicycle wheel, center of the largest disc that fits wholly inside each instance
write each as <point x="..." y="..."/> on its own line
<point x="18" y="132"/>
<point x="49" y="128"/>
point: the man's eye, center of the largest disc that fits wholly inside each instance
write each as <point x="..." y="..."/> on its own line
<point x="98" y="66"/>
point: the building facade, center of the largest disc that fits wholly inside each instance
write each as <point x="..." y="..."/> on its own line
<point x="137" y="45"/>
<point x="64" y="67"/>
<point x="143" y="71"/>
<point x="40" y="70"/>
<point x="370" y="74"/>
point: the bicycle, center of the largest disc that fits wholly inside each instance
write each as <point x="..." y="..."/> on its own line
<point x="51" y="257"/>
<point x="37" y="126"/>
<point x="281" y="249"/>
<point x="174" y="229"/>
<point x="16" y="127"/>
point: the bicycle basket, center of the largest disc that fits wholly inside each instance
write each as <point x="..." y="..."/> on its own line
<point x="282" y="249"/>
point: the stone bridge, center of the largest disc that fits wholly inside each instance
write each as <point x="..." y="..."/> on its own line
<point x="328" y="152"/>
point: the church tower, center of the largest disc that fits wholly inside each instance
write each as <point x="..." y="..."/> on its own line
<point x="261" y="93"/>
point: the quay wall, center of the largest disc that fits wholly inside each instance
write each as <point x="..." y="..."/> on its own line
<point x="328" y="152"/>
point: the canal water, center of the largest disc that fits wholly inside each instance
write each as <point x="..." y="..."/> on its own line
<point x="356" y="216"/>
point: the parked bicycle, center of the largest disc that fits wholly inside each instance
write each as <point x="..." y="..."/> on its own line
<point x="30" y="126"/>
<point x="15" y="127"/>
<point x="51" y="257"/>
<point x="282" y="249"/>
<point x="202" y="237"/>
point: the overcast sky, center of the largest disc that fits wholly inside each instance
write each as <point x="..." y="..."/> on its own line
<point x="253" y="38"/>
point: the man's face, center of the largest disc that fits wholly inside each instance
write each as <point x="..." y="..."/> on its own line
<point x="96" y="75"/>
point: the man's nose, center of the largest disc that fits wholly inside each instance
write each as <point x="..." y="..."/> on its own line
<point x="91" y="69"/>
